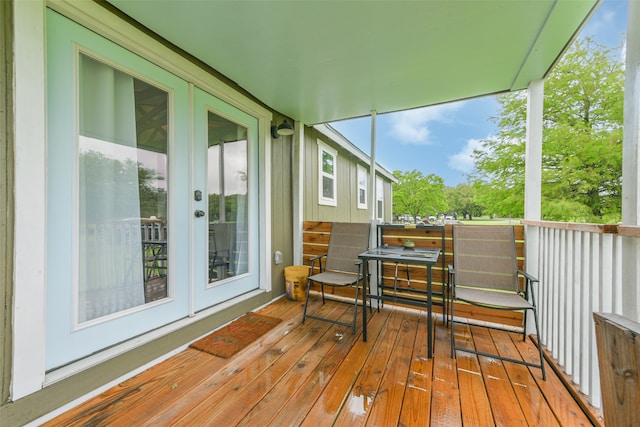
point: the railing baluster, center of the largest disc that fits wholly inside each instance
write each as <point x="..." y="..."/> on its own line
<point x="561" y="271"/>
<point x="596" y="284"/>
<point x="580" y="271"/>
<point x="570" y="299"/>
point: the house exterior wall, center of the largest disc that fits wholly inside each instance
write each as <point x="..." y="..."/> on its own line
<point x="6" y="194"/>
<point x="281" y="210"/>
<point x="89" y="380"/>
<point x="347" y="186"/>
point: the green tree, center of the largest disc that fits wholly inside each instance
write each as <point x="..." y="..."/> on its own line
<point x="582" y="142"/>
<point x="462" y="199"/>
<point x="416" y="194"/>
<point x="107" y="185"/>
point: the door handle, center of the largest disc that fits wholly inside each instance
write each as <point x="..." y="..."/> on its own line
<point x="199" y="213"/>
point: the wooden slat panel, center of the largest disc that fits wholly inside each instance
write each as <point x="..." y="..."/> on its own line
<point x="316" y="238"/>
<point x="423" y="237"/>
<point x="313" y="250"/>
<point x="316" y="226"/>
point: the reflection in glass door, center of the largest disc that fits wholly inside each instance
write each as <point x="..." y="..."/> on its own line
<point x="227" y="197"/>
<point x="122" y="191"/>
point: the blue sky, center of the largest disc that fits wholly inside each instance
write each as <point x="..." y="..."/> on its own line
<point x="440" y="139"/>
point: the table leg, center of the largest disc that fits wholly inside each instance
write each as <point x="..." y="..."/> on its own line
<point x="365" y="285"/>
<point x="429" y="313"/>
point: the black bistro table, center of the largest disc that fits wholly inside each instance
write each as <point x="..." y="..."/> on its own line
<point x="394" y="254"/>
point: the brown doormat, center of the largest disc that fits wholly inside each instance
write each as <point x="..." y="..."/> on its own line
<point x="229" y="340"/>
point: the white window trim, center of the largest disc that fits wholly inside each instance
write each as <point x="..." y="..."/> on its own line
<point x="361" y="170"/>
<point x="30" y="225"/>
<point x="322" y="147"/>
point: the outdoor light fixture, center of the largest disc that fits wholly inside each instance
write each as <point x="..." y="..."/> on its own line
<point x="285" y="129"/>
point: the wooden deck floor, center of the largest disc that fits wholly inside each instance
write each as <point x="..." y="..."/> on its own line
<point x="319" y="374"/>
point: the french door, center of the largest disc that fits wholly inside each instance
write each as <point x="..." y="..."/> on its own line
<point x="152" y="196"/>
<point x="226" y="201"/>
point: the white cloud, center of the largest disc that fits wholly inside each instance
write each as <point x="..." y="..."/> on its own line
<point x="411" y="126"/>
<point x="463" y="160"/>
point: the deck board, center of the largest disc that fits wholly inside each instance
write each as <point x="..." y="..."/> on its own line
<point x="359" y="400"/>
<point x="445" y="399"/>
<point x="504" y="403"/>
<point x="321" y="374"/>
<point x="327" y="407"/>
<point x="535" y="409"/>
<point x="474" y="402"/>
<point x="388" y="400"/>
<point x="414" y="411"/>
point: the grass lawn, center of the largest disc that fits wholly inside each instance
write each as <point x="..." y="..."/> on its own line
<point x="494" y="221"/>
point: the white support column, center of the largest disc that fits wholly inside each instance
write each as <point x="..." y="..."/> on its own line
<point x="372" y="206"/>
<point x="533" y="154"/>
<point x="630" y="168"/>
<point x="372" y="169"/>
<point x="297" y="177"/>
<point x="533" y="179"/>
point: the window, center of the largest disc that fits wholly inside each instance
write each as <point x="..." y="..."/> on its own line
<point x="327" y="175"/>
<point x="379" y="198"/>
<point x="228" y="195"/>
<point x="122" y="159"/>
<point x="362" y="187"/>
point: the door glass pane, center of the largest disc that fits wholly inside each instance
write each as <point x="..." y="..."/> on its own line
<point x="122" y="191"/>
<point x="227" y="168"/>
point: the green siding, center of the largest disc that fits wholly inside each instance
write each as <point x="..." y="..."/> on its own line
<point x="347" y="175"/>
<point x="6" y="195"/>
<point x="281" y="210"/>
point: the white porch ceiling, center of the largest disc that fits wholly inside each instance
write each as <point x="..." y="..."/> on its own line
<point x="321" y="60"/>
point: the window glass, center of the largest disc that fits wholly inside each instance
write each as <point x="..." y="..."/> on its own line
<point x="327" y="175"/>
<point x="227" y="179"/>
<point x="122" y="165"/>
<point x="362" y="187"/>
<point x="379" y="198"/>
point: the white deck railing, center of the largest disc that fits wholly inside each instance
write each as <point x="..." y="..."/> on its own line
<point x="579" y="267"/>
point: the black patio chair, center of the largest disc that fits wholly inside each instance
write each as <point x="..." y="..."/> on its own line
<point x="342" y="267"/>
<point x="485" y="273"/>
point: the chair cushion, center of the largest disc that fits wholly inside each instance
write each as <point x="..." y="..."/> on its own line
<point x="334" y="278"/>
<point x="491" y="298"/>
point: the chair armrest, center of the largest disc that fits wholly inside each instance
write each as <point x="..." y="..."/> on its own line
<point x="528" y="289"/>
<point x="451" y="278"/>
<point x="528" y="276"/>
<point x="313" y="260"/>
